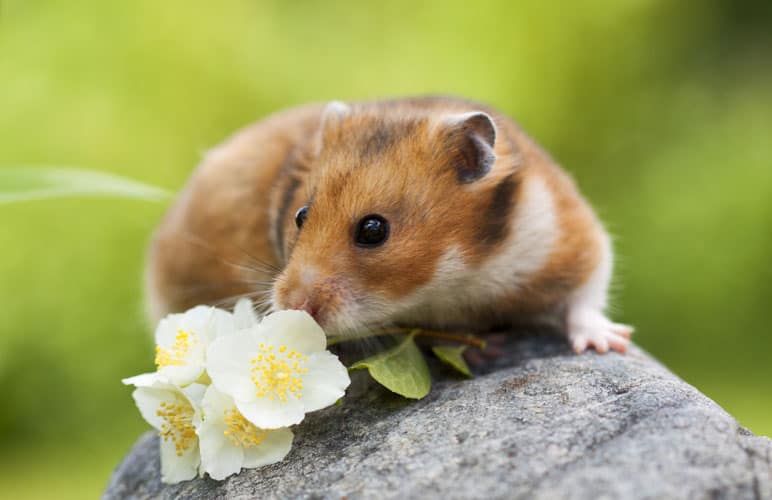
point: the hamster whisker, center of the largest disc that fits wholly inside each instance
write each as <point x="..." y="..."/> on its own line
<point x="256" y="260"/>
<point x="256" y="265"/>
<point x="231" y="300"/>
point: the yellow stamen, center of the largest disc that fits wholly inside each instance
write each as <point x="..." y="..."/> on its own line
<point x="177" y="425"/>
<point x="240" y="431"/>
<point x="175" y="355"/>
<point x="275" y="374"/>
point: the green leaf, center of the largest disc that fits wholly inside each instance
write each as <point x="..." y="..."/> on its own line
<point x="39" y="183"/>
<point x="453" y="357"/>
<point x="401" y="369"/>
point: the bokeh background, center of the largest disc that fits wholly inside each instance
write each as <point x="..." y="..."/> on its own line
<point x="662" y="110"/>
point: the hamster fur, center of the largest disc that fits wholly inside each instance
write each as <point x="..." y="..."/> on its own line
<point x="484" y="229"/>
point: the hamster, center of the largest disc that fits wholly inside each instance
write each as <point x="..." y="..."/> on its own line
<point x="432" y="212"/>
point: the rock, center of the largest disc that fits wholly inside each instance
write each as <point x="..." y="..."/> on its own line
<point x="541" y="423"/>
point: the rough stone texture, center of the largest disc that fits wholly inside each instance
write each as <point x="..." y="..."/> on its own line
<point x="543" y="423"/>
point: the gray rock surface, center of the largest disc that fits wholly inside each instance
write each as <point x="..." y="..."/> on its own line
<point x="542" y="423"/>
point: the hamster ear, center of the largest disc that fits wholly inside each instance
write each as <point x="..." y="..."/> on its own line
<point x="332" y="116"/>
<point x="471" y="138"/>
<point x="335" y="112"/>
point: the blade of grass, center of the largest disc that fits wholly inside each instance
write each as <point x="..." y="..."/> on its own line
<point x="18" y="184"/>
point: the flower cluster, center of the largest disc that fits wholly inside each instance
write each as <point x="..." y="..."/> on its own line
<point x="228" y="386"/>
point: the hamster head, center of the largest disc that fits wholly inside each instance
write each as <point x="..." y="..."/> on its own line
<point x="392" y="193"/>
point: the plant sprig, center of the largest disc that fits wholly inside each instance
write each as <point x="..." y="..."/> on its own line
<point x="402" y="369"/>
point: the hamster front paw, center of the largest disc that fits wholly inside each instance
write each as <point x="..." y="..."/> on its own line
<point x="591" y="328"/>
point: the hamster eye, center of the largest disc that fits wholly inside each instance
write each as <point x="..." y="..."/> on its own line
<point x="300" y="216"/>
<point x="372" y="231"/>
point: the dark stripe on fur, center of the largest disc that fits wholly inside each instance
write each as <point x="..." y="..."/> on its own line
<point x="382" y="138"/>
<point x="292" y="185"/>
<point x="494" y="226"/>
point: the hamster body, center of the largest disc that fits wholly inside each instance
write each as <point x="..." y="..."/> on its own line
<point x="433" y="211"/>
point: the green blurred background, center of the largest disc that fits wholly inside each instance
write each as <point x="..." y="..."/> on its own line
<point x="661" y="108"/>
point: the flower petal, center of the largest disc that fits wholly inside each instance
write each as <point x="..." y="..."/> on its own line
<point x="204" y="322"/>
<point x="325" y="382"/>
<point x="142" y="380"/>
<point x="182" y="375"/>
<point x="215" y="402"/>
<point x="268" y="414"/>
<point x="219" y="457"/>
<point x="176" y="468"/>
<point x="194" y="393"/>
<point x="219" y="323"/>
<point x="295" y="329"/>
<point x="148" y="400"/>
<point x="193" y="320"/>
<point x="272" y="449"/>
<point x="244" y="315"/>
<point x="166" y="331"/>
<point x="228" y="363"/>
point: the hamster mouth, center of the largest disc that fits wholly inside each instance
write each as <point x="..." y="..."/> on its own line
<point x="328" y="299"/>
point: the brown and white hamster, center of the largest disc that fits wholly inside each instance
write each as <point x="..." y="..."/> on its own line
<point x="431" y="211"/>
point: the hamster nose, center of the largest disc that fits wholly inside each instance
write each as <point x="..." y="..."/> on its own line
<point x="310" y="307"/>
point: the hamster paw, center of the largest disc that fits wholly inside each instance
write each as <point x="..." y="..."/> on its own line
<point x="589" y="328"/>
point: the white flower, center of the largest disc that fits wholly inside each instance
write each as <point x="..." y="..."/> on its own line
<point x="182" y="339"/>
<point x="229" y="442"/>
<point x="173" y="412"/>
<point x="277" y="371"/>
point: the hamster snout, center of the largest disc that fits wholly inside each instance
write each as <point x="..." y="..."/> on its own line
<point x="309" y="290"/>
